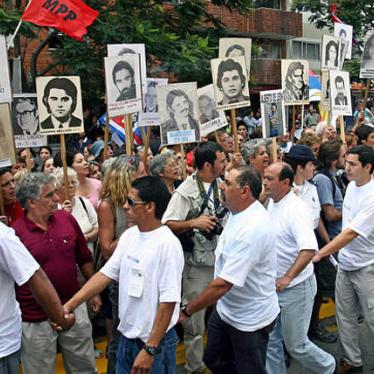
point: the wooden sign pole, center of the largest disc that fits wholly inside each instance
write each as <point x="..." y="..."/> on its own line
<point x="145" y="136"/>
<point x="342" y="129"/>
<point x="184" y="171"/>
<point x="368" y="83"/>
<point x="234" y="130"/>
<point x="274" y="149"/>
<point x="106" y="136"/>
<point x="302" y="117"/>
<point x="64" y="166"/>
<point x="128" y="133"/>
<point x="28" y="160"/>
<point x="293" y="121"/>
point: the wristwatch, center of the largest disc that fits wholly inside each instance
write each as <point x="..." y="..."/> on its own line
<point x="184" y="310"/>
<point x="151" y="350"/>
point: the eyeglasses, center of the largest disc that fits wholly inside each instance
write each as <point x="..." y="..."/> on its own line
<point x="133" y="202"/>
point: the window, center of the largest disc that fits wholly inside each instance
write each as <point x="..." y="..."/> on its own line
<point x="272" y="4"/>
<point x="267" y="50"/>
<point x="306" y="50"/>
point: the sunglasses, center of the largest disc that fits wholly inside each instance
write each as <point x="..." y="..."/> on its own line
<point x="133" y="202"/>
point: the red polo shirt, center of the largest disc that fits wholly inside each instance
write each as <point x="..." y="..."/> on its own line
<point x="13" y="211"/>
<point x="58" y="251"/>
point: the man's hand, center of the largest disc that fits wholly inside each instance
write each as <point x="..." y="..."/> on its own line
<point x="68" y="322"/>
<point x="317" y="258"/>
<point x="283" y="283"/>
<point x="237" y="160"/>
<point x="204" y="223"/>
<point x="96" y="304"/>
<point x="182" y="317"/>
<point x="143" y="363"/>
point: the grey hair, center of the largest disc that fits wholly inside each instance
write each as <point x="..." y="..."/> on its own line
<point x="250" y="148"/>
<point x="59" y="175"/>
<point x="31" y="187"/>
<point x="158" y="163"/>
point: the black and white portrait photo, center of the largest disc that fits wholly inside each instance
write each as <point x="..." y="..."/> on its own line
<point x="149" y="116"/>
<point x="367" y="59"/>
<point x="234" y="47"/>
<point x="325" y="104"/>
<point x="59" y="105"/>
<point x="123" y="86"/>
<point x="5" y="87"/>
<point x="7" y="151"/>
<point x="330" y="57"/>
<point x="230" y="83"/>
<point x="132" y="48"/>
<point x="209" y="117"/>
<point x="340" y="93"/>
<point x="272" y="113"/>
<point x="343" y="31"/>
<point x="178" y="113"/>
<point x="295" y="81"/>
<point x="26" y="121"/>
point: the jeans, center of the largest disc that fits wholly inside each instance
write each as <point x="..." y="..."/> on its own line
<point x="10" y="364"/>
<point x="292" y="324"/>
<point x="230" y="350"/>
<point x="113" y="346"/>
<point x="164" y="363"/>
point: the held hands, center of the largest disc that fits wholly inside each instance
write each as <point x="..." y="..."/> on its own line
<point x="143" y="363"/>
<point x="204" y="223"/>
<point x="66" y="324"/>
<point x="4" y="220"/>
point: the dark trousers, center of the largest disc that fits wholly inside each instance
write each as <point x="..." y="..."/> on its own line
<point x="233" y="351"/>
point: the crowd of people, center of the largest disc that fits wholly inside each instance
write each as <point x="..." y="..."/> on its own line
<point x="155" y="241"/>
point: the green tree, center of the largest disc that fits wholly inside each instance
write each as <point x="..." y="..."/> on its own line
<point x="357" y="13"/>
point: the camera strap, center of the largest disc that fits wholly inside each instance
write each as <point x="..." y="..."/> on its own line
<point x="213" y="188"/>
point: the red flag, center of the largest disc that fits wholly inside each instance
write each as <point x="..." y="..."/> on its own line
<point x="68" y="16"/>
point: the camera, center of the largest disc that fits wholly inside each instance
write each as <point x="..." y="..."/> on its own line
<point x="217" y="229"/>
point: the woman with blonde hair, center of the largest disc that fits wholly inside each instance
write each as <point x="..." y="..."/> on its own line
<point x="112" y="223"/>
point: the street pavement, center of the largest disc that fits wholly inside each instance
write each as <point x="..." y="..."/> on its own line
<point x="366" y="343"/>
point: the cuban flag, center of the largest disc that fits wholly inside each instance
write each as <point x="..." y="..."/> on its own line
<point x="117" y="128"/>
<point x="314" y="87"/>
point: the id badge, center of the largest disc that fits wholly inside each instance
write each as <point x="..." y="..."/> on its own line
<point x="136" y="283"/>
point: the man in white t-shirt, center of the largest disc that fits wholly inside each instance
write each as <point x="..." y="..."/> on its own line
<point x="244" y="280"/>
<point x="355" y="278"/>
<point x="296" y="245"/>
<point x="147" y="264"/>
<point x="18" y="266"/>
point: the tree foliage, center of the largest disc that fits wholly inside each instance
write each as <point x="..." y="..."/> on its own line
<point x="358" y="13"/>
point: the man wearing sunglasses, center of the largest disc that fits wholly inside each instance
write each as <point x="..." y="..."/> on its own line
<point x="192" y="214"/>
<point x="147" y="264"/>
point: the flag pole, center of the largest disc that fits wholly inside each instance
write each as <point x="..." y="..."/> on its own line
<point x="14" y="34"/>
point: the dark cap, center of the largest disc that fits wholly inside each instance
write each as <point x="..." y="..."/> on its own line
<point x="301" y="152"/>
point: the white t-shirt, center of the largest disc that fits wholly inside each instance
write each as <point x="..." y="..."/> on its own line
<point x="148" y="267"/>
<point x="16" y="265"/>
<point x="308" y="193"/>
<point x="358" y="215"/>
<point x="246" y="257"/>
<point x="293" y="230"/>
